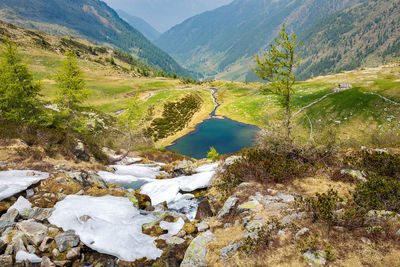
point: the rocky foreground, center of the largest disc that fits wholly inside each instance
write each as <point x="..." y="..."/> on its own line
<point x="140" y="213"/>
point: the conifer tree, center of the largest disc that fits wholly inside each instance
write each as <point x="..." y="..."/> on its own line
<point x="70" y="83"/>
<point x="18" y="92"/>
<point x="277" y="67"/>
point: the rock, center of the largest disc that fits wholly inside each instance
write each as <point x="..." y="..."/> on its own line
<point x="196" y="253"/>
<point x="281" y="232"/>
<point x="73" y="253"/>
<point x="31" y="249"/>
<point x="29" y="193"/>
<point x="39" y="214"/>
<point x="339" y="228"/>
<point x="67" y="240"/>
<point x="301" y="233"/>
<point x="96" y="180"/>
<point x="55" y="252"/>
<point x="280" y="197"/>
<point x="230" y="202"/>
<point x="11" y="215"/>
<point x="204" y="210"/>
<point x="80" y="152"/>
<point x="227" y="225"/>
<point x="6" y="260"/>
<point x="366" y="240"/>
<point x="159" y="216"/>
<point x="229" y="250"/>
<point x="46" y="262"/>
<point x="173" y="240"/>
<point x="46" y="243"/>
<point x="376" y="217"/>
<point x="295" y="216"/>
<point x="181" y="233"/>
<point x="250" y="206"/>
<point x="19" y="240"/>
<point x="36" y="232"/>
<point x="398" y="233"/>
<point x="315" y="257"/>
<point x="246" y="220"/>
<point x="232" y="159"/>
<point x="202" y="227"/>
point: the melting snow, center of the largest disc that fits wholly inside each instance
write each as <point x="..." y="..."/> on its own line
<point x="114" y="226"/>
<point x="13" y="182"/>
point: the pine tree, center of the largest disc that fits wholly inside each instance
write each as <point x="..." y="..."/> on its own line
<point x="18" y="92"/>
<point x="70" y="83"/>
<point x="277" y="67"/>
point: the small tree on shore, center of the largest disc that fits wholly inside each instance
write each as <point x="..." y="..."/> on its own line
<point x="70" y="83"/>
<point x="18" y="91"/>
<point x="277" y="67"/>
<point x="131" y="120"/>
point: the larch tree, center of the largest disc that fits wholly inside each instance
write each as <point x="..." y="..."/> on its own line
<point x="70" y="83"/>
<point x="276" y="66"/>
<point x="18" y="91"/>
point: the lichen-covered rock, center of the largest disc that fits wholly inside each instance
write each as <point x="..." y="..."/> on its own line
<point x="66" y="240"/>
<point x="39" y="214"/>
<point x="315" y="257"/>
<point x="46" y="243"/>
<point x="301" y="232"/>
<point x="358" y="175"/>
<point x="229" y="250"/>
<point x="36" y="232"/>
<point x="189" y="228"/>
<point x="229" y="204"/>
<point x="250" y="206"/>
<point x="73" y="253"/>
<point x="11" y="215"/>
<point x="46" y="262"/>
<point x="196" y="253"/>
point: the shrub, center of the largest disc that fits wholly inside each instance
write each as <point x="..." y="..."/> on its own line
<point x="378" y="193"/>
<point x="322" y="206"/>
<point x="213" y="154"/>
<point x="384" y="164"/>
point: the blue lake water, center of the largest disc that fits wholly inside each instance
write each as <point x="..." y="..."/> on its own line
<point x="226" y="135"/>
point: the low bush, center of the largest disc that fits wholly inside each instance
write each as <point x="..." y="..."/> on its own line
<point x="265" y="166"/>
<point x="376" y="162"/>
<point x="378" y="193"/>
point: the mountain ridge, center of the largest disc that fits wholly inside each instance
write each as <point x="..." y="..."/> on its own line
<point x="140" y="24"/>
<point x="91" y="19"/>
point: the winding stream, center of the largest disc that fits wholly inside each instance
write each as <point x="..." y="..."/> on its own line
<point x="226" y="135"/>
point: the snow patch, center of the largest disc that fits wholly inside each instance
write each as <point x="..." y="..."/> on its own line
<point x="21" y="204"/>
<point x="114" y="226"/>
<point x="13" y="181"/>
<point x="23" y="256"/>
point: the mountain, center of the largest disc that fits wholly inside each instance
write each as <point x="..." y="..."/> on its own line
<point x="364" y="35"/>
<point x="164" y="14"/>
<point x="89" y="19"/>
<point x="224" y="40"/>
<point x="140" y="24"/>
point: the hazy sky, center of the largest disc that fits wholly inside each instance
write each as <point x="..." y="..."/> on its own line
<point x="163" y="14"/>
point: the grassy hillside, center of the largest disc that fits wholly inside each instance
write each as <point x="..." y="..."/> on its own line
<point x="364" y="35"/>
<point x="112" y="85"/>
<point x="225" y="38"/>
<point x="90" y="19"/>
<point x="371" y="109"/>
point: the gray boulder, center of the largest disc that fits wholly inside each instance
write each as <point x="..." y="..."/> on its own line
<point x="229" y="250"/>
<point x="202" y="226"/>
<point x="174" y="240"/>
<point x="11" y="215"/>
<point x="39" y="214"/>
<point x="4" y="225"/>
<point x="196" y="253"/>
<point x="66" y="240"/>
<point x="301" y="233"/>
<point x="229" y="204"/>
<point x="250" y="206"/>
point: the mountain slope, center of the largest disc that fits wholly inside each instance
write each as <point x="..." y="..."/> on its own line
<point x="215" y="41"/>
<point x="140" y="24"/>
<point x="364" y="35"/>
<point x="91" y="19"/>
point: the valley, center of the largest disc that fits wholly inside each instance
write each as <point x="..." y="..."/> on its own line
<point x="124" y="146"/>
